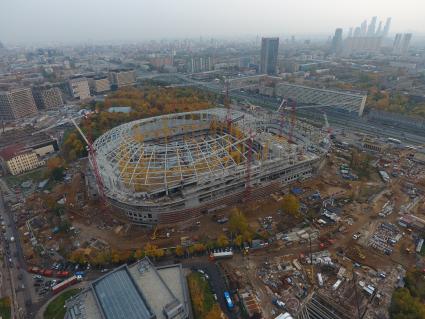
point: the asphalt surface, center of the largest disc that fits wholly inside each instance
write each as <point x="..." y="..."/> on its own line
<point x="216" y="281"/>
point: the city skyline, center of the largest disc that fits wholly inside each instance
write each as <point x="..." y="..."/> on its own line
<point x="102" y="21"/>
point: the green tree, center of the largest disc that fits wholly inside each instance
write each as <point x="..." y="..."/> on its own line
<point x="291" y="205"/>
<point x="179" y="251"/>
<point x="237" y="222"/>
<point x="403" y="305"/>
<point x="222" y="241"/>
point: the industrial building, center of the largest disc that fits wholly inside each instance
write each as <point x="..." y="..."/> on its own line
<point x="139" y="291"/>
<point x="175" y="167"/>
<point x="16" y="104"/>
<point x="353" y="103"/>
<point x="23" y="150"/>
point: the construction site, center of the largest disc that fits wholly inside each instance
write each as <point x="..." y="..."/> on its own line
<point x="175" y="167"/>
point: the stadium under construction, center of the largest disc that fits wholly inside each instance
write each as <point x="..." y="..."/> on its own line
<point x="175" y="167"/>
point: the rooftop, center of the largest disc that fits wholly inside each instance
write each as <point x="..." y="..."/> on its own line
<point x="138" y="291"/>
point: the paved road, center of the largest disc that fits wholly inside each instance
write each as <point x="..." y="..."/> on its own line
<point x="20" y="279"/>
<point x="216" y="281"/>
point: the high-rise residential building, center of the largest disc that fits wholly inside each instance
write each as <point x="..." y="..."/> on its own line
<point x="372" y="26"/>
<point x="397" y="42"/>
<point x="336" y="46"/>
<point x="120" y="78"/>
<point x="386" y="30"/>
<point x="357" y="32"/>
<point x="46" y="97"/>
<point x="269" y="53"/>
<point x="405" y="43"/>
<point x="401" y="43"/>
<point x="363" y="28"/>
<point x="16" y="104"/>
<point x="79" y="88"/>
<point x="199" y="64"/>
<point x="379" y="30"/>
<point x="361" y="45"/>
<point x="99" y="84"/>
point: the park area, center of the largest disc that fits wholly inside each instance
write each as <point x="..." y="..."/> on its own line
<point x="56" y="309"/>
<point x="5" y="311"/>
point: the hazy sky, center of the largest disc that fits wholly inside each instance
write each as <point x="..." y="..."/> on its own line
<point x="31" y="21"/>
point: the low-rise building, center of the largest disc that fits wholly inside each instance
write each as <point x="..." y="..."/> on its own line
<point x="374" y="145"/>
<point x="17" y="160"/>
<point x="23" y="150"/>
<point x="139" y="291"/>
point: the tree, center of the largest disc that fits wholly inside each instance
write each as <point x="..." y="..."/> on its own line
<point x="238" y="240"/>
<point x="199" y="248"/>
<point x="222" y="241"/>
<point x="138" y="254"/>
<point x="291" y="205"/>
<point x="403" y="305"/>
<point x="57" y="173"/>
<point x="179" y="251"/>
<point x="78" y="257"/>
<point x="214" y="313"/>
<point x="153" y="251"/>
<point x="237" y="222"/>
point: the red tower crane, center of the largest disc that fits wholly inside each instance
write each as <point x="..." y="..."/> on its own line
<point x="92" y="160"/>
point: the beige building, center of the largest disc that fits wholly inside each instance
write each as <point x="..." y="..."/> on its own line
<point x="17" y="160"/>
<point x="122" y="78"/>
<point x="16" y="104"/>
<point x="79" y="88"/>
<point x="99" y="84"/>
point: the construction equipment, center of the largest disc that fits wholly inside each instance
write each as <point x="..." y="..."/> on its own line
<point x="281" y="111"/>
<point x="92" y="160"/>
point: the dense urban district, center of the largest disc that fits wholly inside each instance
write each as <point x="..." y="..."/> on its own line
<point x="265" y="178"/>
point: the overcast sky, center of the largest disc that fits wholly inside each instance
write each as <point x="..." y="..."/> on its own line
<point x="32" y="21"/>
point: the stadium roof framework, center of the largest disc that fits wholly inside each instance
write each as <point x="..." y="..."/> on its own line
<point x="171" y="167"/>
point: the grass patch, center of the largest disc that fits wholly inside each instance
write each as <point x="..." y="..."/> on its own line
<point x="203" y="303"/>
<point x="5" y="309"/>
<point x="36" y="176"/>
<point x="56" y="308"/>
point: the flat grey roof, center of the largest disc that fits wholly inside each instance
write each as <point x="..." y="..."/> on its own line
<point x="119" y="296"/>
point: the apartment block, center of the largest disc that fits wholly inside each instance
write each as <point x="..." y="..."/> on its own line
<point x="79" y="88"/>
<point x="120" y="78"/>
<point x="16" y="104"/>
<point x="47" y="97"/>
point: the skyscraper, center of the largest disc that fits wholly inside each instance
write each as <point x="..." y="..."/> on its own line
<point x="350" y="32"/>
<point x="363" y="28"/>
<point x="387" y="27"/>
<point x="405" y="42"/>
<point x="337" y="41"/>
<point x="372" y="26"/>
<point x="401" y="43"/>
<point x="269" y="52"/>
<point x="379" y="30"/>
